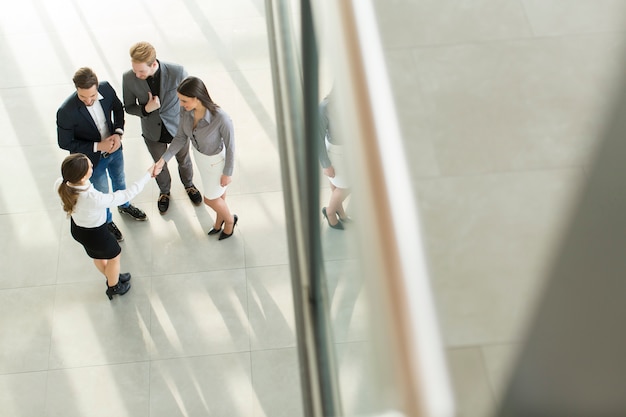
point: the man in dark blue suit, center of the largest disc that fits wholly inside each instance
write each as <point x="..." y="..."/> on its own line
<point x="91" y="121"/>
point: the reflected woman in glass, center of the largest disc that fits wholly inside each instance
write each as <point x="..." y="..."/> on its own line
<point x="332" y="159"/>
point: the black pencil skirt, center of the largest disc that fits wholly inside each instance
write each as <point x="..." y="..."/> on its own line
<point x="98" y="242"/>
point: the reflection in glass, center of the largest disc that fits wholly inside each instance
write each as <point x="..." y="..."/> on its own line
<point x="332" y="158"/>
<point x="361" y="379"/>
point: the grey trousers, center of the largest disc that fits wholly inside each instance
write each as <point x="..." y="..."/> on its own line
<point x="185" y="166"/>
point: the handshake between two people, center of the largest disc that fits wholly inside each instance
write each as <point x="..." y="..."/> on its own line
<point x="156" y="168"/>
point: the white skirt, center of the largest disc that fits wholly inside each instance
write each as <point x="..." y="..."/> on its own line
<point x="211" y="168"/>
<point x="338" y="161"/>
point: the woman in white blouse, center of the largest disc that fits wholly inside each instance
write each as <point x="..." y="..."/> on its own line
<point x="211" y="133"/>
<point x="86" y="208"/>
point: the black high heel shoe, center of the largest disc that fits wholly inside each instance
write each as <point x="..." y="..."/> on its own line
<point x="225" y="235"/>
<point x="215" y="231"/>
<point x="338" y="225"/>
<point x="120" y="288"/>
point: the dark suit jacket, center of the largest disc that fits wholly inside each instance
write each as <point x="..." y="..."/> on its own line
<point x="76" y="130"/>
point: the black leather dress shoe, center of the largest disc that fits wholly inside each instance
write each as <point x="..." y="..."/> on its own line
<point x="163" y="203"/>
<point x="194" y="195"/>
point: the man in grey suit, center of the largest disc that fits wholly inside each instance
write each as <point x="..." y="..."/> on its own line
<point x="149" y="91"/>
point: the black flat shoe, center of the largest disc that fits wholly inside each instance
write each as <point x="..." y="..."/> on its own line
<point x="337" y="226"/>
<point x="215" y="231"/>
<point x="225" y="235"/>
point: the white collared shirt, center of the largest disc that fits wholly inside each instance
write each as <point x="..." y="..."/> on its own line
<point x="90" y="209"/>
<point x="97" y="114"/>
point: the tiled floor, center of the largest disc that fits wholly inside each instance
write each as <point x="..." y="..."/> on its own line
<point x="501" y="104"/>
<point x="208" y="327"/>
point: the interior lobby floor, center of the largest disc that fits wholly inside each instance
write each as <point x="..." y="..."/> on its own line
<point x="500" y="104"/>
<point x="207" y="327"/>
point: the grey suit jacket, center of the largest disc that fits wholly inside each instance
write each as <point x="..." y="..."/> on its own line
<point x="135" y="94"/>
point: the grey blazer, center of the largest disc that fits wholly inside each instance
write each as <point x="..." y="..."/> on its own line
<point x="135" y="94"/>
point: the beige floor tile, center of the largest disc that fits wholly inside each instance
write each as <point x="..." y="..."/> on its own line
<point x="259" y="167"/>
<point x="181" y="244"/>
<point x="519" y="105"/>
<point x="26" y="316"/>
<point x="263" y="228"/>
<point x="30" y="173"/>
<point x="29" y="121"/>
<point x="489" y="240"/>
<point x="407" y="23"/>
<point x="236" y="9"/>
<point x="29" y="249"/>
<point x="270" y="309"/>
<point x="249" y="97"/>
<point x="276" y="383"/>
<point x="218" y="385"/>
<point x="99" y="391"/>
<point x="499" y="362"/>
<point x="470" y="383"/>
<point x="23" y="394"/>
<point x="88" y="329"/>
<point x="199" y="314"/>
<point x="412" y="115"/>
<point x="582" y="16"/>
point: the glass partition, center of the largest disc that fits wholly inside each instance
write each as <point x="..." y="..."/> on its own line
<point x="367" y="335"/>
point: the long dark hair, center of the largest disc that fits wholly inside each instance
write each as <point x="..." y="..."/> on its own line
<point x="194" y="87"/>
<point x="73" y="169"/>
